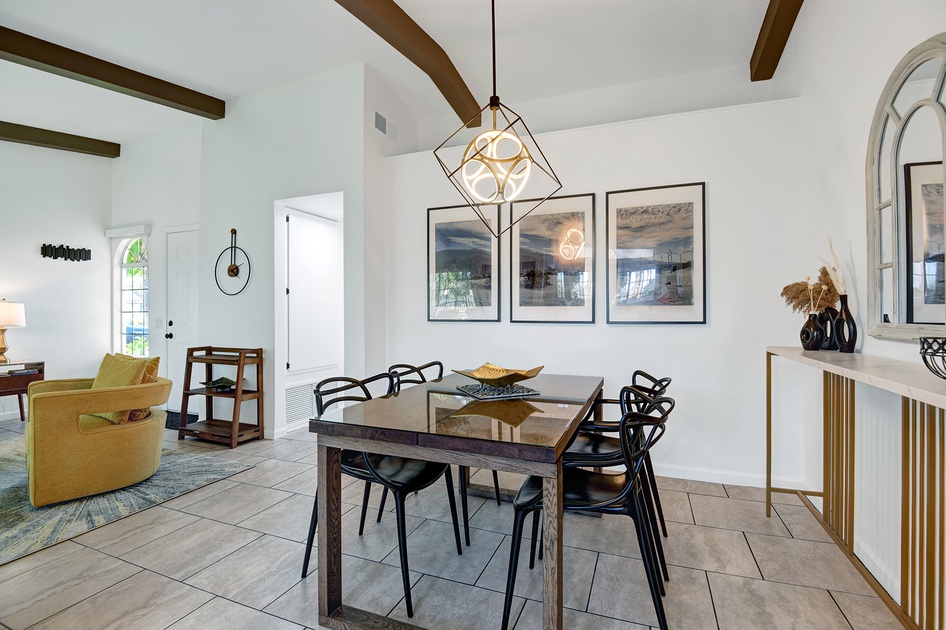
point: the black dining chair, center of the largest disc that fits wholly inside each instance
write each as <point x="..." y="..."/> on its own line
<point x="400" y="475"/>
<point x="407" y="374"/>
<point x="587" y="490"/>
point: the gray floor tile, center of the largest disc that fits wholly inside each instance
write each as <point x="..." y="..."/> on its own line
<point x="182" y="554"/>
<point x="611" y="533"/>
<point x="801" y="523"/>
<point x="254" y="575"/>
<point x="531" y="619"/>
<point x="676" y="506"/>
<point x="353" y="493"/>
<point x="304" y="483"/>
<point x="758" y="494"/>
<point x="865" y="613"/>
<point x="255" y="446"/>
<point x="144" y="601"/>
<point x="447" y="605"/>
<point x="226" y="615"/>
<point x="492" y="517"/>
<point x="379" y="539"/>
<point x="199" y="494"/>
<point x="45" y="556"/>
<point x="509" y="483"/>
<point x="49" y="588"/>
<point x="748" y="516"/>
<point x="289" y="450"/>
<point x="744" y="603"/>
<point x="237" y="503"/>
<point x="577" y="574"/>
<point x="239" y="456"/>
<point x="367" y="585"/>
<point x="709" y="549"/>
<point x="694" y="487"/>
<point x="620" y="590"/>
<point x="270" y="472"/>
<point x="287" y="519"/>
<point x="138" y="529"/>
<point x="302" y="434"/>
<point x="806" y="563"/>
<point x="431" y="549"/>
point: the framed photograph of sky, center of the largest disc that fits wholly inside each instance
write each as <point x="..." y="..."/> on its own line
<point x="657" y="255"/>
<point x="552" y="261"/>
<point x="462" y="265"/>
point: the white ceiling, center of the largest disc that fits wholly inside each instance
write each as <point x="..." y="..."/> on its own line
<point x="229" y="48"/>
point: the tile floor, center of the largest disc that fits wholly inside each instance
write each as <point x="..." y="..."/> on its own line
<point x="229" y="556"/>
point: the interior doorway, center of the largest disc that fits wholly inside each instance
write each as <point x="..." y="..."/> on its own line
<point x="309" y="302"/>
<point x="182" y="283"/>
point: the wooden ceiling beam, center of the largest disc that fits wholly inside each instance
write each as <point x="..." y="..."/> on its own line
<point x="396" y="27"/>
<point x="12" y="132"/>
<point x="38" y="53"/>
<point x="776" y="28"/>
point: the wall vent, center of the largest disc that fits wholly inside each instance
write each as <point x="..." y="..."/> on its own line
<point x="380" y="123"/>
<point x="300" y="403"/>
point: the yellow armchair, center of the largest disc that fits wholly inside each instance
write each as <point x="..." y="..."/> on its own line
<point x="71" y="454"/>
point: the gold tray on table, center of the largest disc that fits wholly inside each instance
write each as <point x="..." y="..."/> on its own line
<point x="490" y="374"/>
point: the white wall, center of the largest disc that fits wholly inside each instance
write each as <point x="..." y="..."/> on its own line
<point x="749" y="156"/>
<point x="64" y="198"/>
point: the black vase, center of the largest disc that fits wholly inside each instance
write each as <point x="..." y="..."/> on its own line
<point x="845" y="330"/>
<point x="812" y="334"/>
<point x="826" y="319"/>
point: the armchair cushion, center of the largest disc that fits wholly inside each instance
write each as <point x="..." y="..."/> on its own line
<point x="121" y="370"/>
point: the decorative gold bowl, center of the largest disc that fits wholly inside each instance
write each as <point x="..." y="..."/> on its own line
<point x="490" y="374"/>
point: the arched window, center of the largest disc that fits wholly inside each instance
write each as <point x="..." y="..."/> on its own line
<point x="133" y="299"/>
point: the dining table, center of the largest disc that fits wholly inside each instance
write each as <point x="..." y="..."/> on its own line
<point x="435" y="421"/>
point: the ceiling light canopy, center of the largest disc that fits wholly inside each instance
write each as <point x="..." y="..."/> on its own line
<point x="502" y="163"/>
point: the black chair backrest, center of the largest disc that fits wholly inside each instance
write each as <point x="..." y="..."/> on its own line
<point x="338" y="389"/>
<point x="650" y="385"/>
<point x="639" y="431"/>
<point x="407" y="374"/>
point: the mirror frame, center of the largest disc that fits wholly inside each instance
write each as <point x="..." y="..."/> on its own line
<point x="897" y="328"/>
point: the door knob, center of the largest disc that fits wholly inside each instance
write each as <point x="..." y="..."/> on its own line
<point x="169" y="336"/>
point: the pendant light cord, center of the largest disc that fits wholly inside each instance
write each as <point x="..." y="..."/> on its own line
<point x="493" y="5"/>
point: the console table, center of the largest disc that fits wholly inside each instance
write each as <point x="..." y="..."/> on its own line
<point x="923" y="467"/>
<point x="16" y="380"/>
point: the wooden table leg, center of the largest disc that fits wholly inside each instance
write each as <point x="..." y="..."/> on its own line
<point x="552" y="541"/>
<point x="768" y="434"/>
<point x="19" y="399"/>
<point x="330" y="530"/>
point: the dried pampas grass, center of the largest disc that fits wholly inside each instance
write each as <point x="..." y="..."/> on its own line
<point x="805" y="297"/>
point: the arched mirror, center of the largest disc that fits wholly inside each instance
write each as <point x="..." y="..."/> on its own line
<point x="905" y="212"/>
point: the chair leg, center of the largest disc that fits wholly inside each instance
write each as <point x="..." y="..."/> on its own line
<point x="448" y="477"/>
<point x="464" y="473"/>
<point x="499" y="500"/>
<point x="652" y="480"/>
<point x="402" y="551"/>
<point x="313" y="523"/>
<point x="646" y="548"/>
<point x="384" y="497"/>
<point x="518" y="518"/>
<point x="364" y="508"/>
<point x="535" y="537"/>
<point x="652" y="520"/>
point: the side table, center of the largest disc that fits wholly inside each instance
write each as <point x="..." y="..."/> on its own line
<point x="15" y="379"/>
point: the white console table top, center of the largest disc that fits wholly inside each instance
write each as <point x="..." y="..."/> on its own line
<point x="911" y="380"/>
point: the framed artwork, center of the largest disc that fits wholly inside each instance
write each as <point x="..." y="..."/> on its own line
<point x="657" y="255"/>
<point x="462" y="265"/>
<point x="553" y="263"/>
<point x="923" y="183"/>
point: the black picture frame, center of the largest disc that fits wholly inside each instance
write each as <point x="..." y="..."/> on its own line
<point x="552" y="260"/>
<point x="656" y="247"/>
<point x="462" y="265"/>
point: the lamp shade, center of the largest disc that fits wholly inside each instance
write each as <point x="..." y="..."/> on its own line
<point x="12" y="314"/>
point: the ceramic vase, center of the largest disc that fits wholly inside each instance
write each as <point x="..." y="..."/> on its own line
<point x="845" y="329"/>
<point x="826" y="319"/>
<point x="812" y="334"/>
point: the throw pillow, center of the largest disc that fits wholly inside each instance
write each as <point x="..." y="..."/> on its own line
<point x="150" y="376"/>
<point x="118" y="372"/>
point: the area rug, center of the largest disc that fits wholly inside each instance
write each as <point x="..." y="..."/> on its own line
<point x="174" y="419"/>
<point x="25" y="529"/>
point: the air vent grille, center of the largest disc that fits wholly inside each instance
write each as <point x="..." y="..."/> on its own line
<point x="380" y="123"/>
<point x="300" y="404"/>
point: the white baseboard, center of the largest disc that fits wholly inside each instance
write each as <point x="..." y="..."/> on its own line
<point x="713" y="475"/>
<point x="888" y="578"/>
<point x="10" y="415"/>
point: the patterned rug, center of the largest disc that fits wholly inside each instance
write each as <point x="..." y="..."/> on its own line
<point x="25" y="529"/>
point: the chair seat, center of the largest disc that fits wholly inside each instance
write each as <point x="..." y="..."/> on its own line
<point x="398" y="472"/>
<point x="581" y="489"/>
<point x="596" y="449"/>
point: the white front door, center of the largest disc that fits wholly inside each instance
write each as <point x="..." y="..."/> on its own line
<point x="181" y="330"/>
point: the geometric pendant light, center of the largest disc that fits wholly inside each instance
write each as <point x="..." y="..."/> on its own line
<point x="501" y="164"/>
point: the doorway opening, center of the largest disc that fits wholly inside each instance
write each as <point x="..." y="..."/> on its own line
<point x="309" y="302"/>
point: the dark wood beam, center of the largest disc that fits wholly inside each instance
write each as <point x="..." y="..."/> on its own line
<point x="396" y="27"/>
<point x="12" y="132"/>
<point x="776" y="27"/>
<point x="66" y="62"/>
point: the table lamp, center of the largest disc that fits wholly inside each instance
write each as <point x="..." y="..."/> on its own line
<point x="12" y="315"/>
